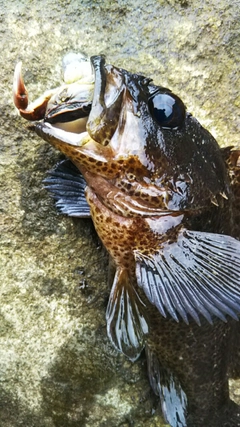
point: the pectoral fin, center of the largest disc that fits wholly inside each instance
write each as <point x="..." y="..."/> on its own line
<point x="168" y="388"/>
<point x="197" y="274"/>
<point x="67" y="186"/>
<point x="126" y="324"/>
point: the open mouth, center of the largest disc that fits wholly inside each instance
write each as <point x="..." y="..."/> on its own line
<point x="78" y="107"/>
<point x="68" y="111"/>
<point x="93" y="110"/>
<point x="70" y="106"/>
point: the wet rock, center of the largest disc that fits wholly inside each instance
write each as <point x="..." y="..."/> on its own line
<point x="57" y="367"/>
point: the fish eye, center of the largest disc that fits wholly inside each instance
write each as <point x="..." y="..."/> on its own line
<point x="167" y="110"/>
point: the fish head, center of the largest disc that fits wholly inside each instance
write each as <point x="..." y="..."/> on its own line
<point x="141" y="133"/>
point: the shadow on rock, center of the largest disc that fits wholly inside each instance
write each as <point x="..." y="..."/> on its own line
<point x="83" y="386"/>
<point x="14" y="413"/>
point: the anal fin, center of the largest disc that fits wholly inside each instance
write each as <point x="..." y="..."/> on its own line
<point x="126" y="323"/>
<point x="67" y="186"/>
<point x="165" y="385"/>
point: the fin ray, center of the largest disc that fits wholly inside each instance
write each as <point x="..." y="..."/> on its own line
<point x="67" y="186"/>
<point x="165" y="385"/>
<point x="126" y="323"/>
<point x="197" y="274"/>
<point x="179" y="296"/>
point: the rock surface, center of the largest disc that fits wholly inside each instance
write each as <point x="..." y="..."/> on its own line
<point x="57" y="367"/>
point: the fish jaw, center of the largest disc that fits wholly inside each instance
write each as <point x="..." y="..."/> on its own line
<point x="107" y="101"/>
<point x="84" y="152"/>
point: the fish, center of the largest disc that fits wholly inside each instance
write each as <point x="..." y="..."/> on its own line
<point x="165" y="201"/>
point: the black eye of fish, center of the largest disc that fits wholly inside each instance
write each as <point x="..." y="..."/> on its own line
<point x="167" y="110"/>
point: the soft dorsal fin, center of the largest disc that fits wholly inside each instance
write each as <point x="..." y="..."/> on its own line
<point x="67" y="186"/>
<point x="126" y="324"/>
<point x="197" y="274"/>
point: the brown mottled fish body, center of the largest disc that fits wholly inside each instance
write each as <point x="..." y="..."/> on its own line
<point x="200" y="357"/>
<point x="165" y="201"/>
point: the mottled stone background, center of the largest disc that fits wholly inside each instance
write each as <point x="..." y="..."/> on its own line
<point x="57" y="367"/>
